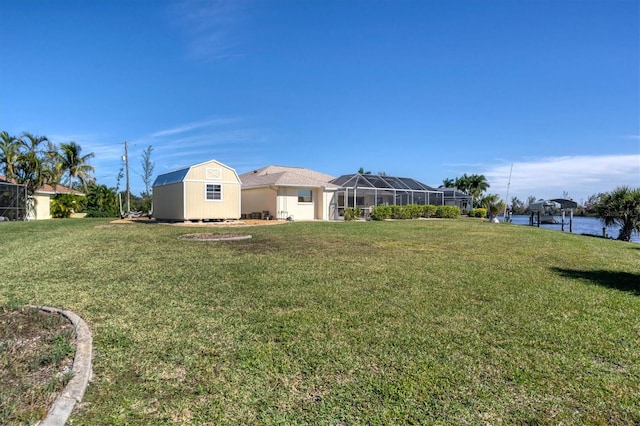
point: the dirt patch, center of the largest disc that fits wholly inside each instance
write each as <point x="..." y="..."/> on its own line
<point x="36" y="360"/>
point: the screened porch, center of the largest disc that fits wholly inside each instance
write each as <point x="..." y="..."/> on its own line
<point x="366" y="191"/>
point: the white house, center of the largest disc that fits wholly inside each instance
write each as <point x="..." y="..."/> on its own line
<point x="288" y="192"/>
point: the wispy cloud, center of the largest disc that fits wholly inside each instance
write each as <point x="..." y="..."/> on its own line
<point x="184" y="128"/>
<point x="226" y="139"/>
<point x="208" y="26"/>
<point x="579" y="176"/>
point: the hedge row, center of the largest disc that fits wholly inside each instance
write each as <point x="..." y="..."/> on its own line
<point x="414" y="211"/>
<point x="478" y="212"/>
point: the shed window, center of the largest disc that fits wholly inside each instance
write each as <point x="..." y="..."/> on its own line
<point x="214" y="192"/>
<point x="305" y="196"/>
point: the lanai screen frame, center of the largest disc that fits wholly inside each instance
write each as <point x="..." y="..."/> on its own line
<point x="13" y="201"/>
<point x="377" y="189"/>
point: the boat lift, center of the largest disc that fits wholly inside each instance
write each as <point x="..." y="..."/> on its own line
<point x="542" y="211"/>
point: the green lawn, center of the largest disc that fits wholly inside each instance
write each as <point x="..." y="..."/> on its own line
<point x="424" y="322"/>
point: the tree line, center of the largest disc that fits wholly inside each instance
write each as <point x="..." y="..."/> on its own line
<point x="35" y="161"/>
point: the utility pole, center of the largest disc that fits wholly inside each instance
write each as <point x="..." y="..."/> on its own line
<point x="126" y="165"/>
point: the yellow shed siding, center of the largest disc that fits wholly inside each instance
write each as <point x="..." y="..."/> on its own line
<point x="199" y="208"/>
<point x="212" y="172"/>
<point x="168" y="202"/>
<point x="187" y="199"/>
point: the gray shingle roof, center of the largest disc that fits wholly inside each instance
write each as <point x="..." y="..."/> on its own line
<point x="285" y="176"/>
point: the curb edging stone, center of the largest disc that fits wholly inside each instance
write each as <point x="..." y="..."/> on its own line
<point x="82" y="370"/>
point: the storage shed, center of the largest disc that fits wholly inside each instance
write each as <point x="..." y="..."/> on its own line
<point x="204" y="192"/>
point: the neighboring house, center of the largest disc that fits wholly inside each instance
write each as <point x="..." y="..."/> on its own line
<point x="203" y="192"/>
<point x="288" y="192"/>
<point x="38" y="206"/>
<point x="41" y="207"/>
<point x="453" y="197"/>
<point x="367" y="190"/>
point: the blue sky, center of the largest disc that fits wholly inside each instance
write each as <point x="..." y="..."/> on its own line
<point x="423" y="89"/>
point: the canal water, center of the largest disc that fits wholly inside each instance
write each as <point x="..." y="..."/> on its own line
<point x="581" y="225"/>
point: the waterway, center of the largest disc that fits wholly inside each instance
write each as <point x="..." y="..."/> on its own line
<point x="581" y="225"/>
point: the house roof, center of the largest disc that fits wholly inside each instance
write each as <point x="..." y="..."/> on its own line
<point x="46" y="188"/>
<point x="286" y="176"/>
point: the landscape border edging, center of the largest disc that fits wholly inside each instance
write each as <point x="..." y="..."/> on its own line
<point x="82" y="370"/>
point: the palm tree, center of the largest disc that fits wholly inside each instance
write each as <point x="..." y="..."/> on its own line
<point x="462" y="183"/>
<point x="76" y="165"/>
<point x="10" y="147"/>
<point x="493" y="204"/>
<point x="621" y="207"/>
<point x="31" y="171"/>
<point x="477" y="186"/>
<point x="448" y="183"/>
<point x="32" y="142"/>
<point x="52" y="165"/>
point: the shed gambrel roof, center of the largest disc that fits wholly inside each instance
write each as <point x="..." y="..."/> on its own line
<point x="179" y="175"/>
<point x="286" y="176"/>
<point x="171" y="177"/>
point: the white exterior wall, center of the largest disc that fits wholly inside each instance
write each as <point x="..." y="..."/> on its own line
<point x="329" y="205"/>
<point x="282" y="202"/>
<point x="259" y="200"/>
<point x="41" y="207"/>
<point x="288" y="205"/>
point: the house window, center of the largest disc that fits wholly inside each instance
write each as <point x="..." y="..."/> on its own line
<point x="214" y="174"/>
<point x="305" y="196"/>
<point x="214" y="192"/>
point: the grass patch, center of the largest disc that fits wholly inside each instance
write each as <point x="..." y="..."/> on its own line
<point x="457" y="321"/>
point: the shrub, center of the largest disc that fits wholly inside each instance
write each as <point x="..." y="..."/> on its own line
<point x="63" y="205"/>
<point x="429" y="210"/>
<point x="352" y="213"/>
<point x="102" y="202"/>
<point x="102" y="213"/>
<point x="380" y="212"/>
<point x="398" y="212"/>
<point x="413" y="211"/>
<point x="448" y="212"/>
<point x="478" y="212"/>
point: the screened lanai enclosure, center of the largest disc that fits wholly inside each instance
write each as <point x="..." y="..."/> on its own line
<point x="13" y="201"/>
<point x="365" y="191"/>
